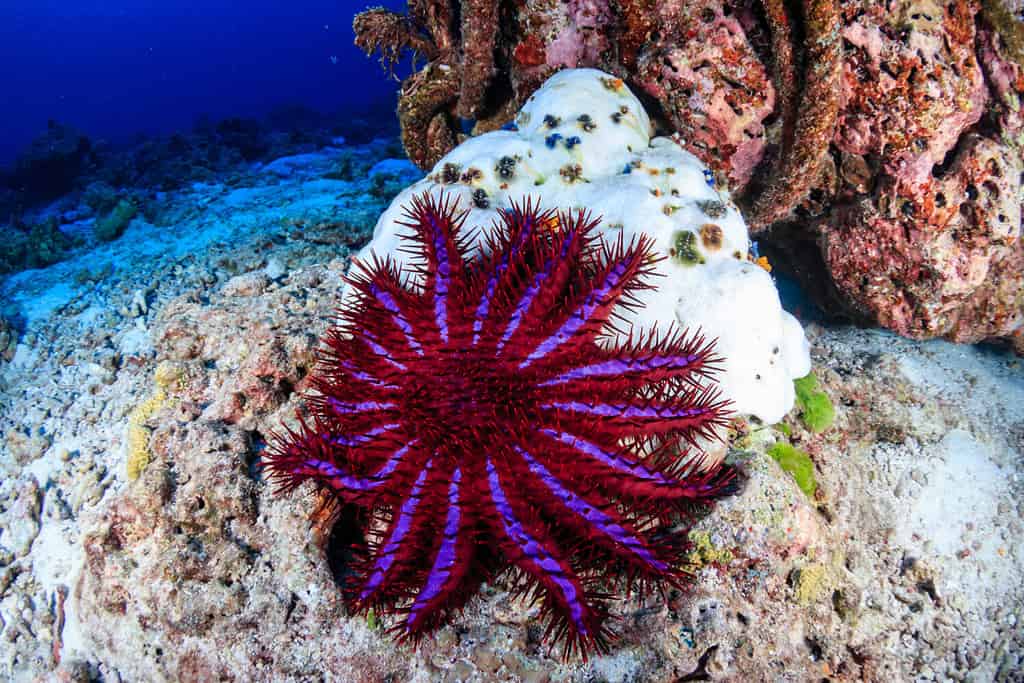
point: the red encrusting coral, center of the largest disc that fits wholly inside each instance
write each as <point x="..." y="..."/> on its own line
<point x="476" y="412"/>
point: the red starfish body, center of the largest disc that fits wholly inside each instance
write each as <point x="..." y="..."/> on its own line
<point x="475" y="410"/>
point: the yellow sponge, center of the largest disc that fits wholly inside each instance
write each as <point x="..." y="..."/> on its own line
<point x="166" y="375"/>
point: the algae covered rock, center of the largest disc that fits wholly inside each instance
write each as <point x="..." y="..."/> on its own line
<point x="34" y="246"/>
<point x="100" y="196"/>
<point x="52" y="163"/>
<point x="113" y="224"/>
<point x="8" y="339"/>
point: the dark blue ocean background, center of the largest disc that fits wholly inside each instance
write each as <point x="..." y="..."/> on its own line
<point x="115" y="70"/>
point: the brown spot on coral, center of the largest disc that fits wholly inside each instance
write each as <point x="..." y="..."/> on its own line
<point x="572" y="173"/>
<point x="711" y="236"/>
<point x="472" y="175"/>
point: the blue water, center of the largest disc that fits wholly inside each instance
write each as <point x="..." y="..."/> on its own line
<point x="116" y="69"/>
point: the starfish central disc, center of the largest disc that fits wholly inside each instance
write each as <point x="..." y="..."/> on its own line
<point x="465" y="396"/>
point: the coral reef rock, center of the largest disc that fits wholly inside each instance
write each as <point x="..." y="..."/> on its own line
<point x="52" y="163"/>
<point x="883" y="152"/>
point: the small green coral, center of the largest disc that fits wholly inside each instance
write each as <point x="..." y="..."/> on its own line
<point x="684" y="248"/>
<point x="816" y="408"/>
<point x="113" y="224"/>
<point x="797" y="463"/>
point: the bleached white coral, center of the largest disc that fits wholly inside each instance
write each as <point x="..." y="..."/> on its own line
<point x="583" y="141"/>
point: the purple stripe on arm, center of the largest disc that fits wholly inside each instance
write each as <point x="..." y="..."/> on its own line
<point x="612" y="368"/>
<point x="625" y="411"/>
<point x="350" y="367"/>
<point x="522" y="308"/>
<point x="492" y="284"/>
<point x="581" y="315"/>
<point x="610" y="459"/>
<point x="605" y="524"/>
<point x="445" y="560"/>
<point x="534" y="551"/>
<point x="360" y="439"/>
<point x="338" y="479"/>
<point x="388" y="301"/>
<point x="346" y="408"/>
<point x="484" y="307"/>
<point x="531" y="293"/>
<point x="386" y="558"/>
<point x="379" y="350"/>
<point x="441" y="278"/>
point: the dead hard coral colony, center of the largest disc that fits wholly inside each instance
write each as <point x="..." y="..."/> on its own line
<point x="471" y="410"/>
<point x="851" y="130"/>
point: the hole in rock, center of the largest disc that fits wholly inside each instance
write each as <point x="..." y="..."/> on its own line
<point x="344" y="539"/>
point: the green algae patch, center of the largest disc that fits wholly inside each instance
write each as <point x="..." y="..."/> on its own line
<point x="705" y="552"/>
<point x="684" y="248"/>
<point x="816" y="410"/>
<point x="797" y="463"/>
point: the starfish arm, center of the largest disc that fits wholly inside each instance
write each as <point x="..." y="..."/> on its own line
<point x="604" y="527"/>
<point x="512" y="241"/>
<point x="384" y="303"/>
<point x="621" y="476"/>
<point x="693" y="414"/>
<point x="533" y="550"/>
<point x="559" y="258"/>
<point x="635" y="363"/>
<point x="587" y="316"/>
<point x="437" y="226"/>
<point x="353" y="467"/>
<point x="444" y="586"/>
<point x="345" y="483"/>
<point x="390" y="560"/>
